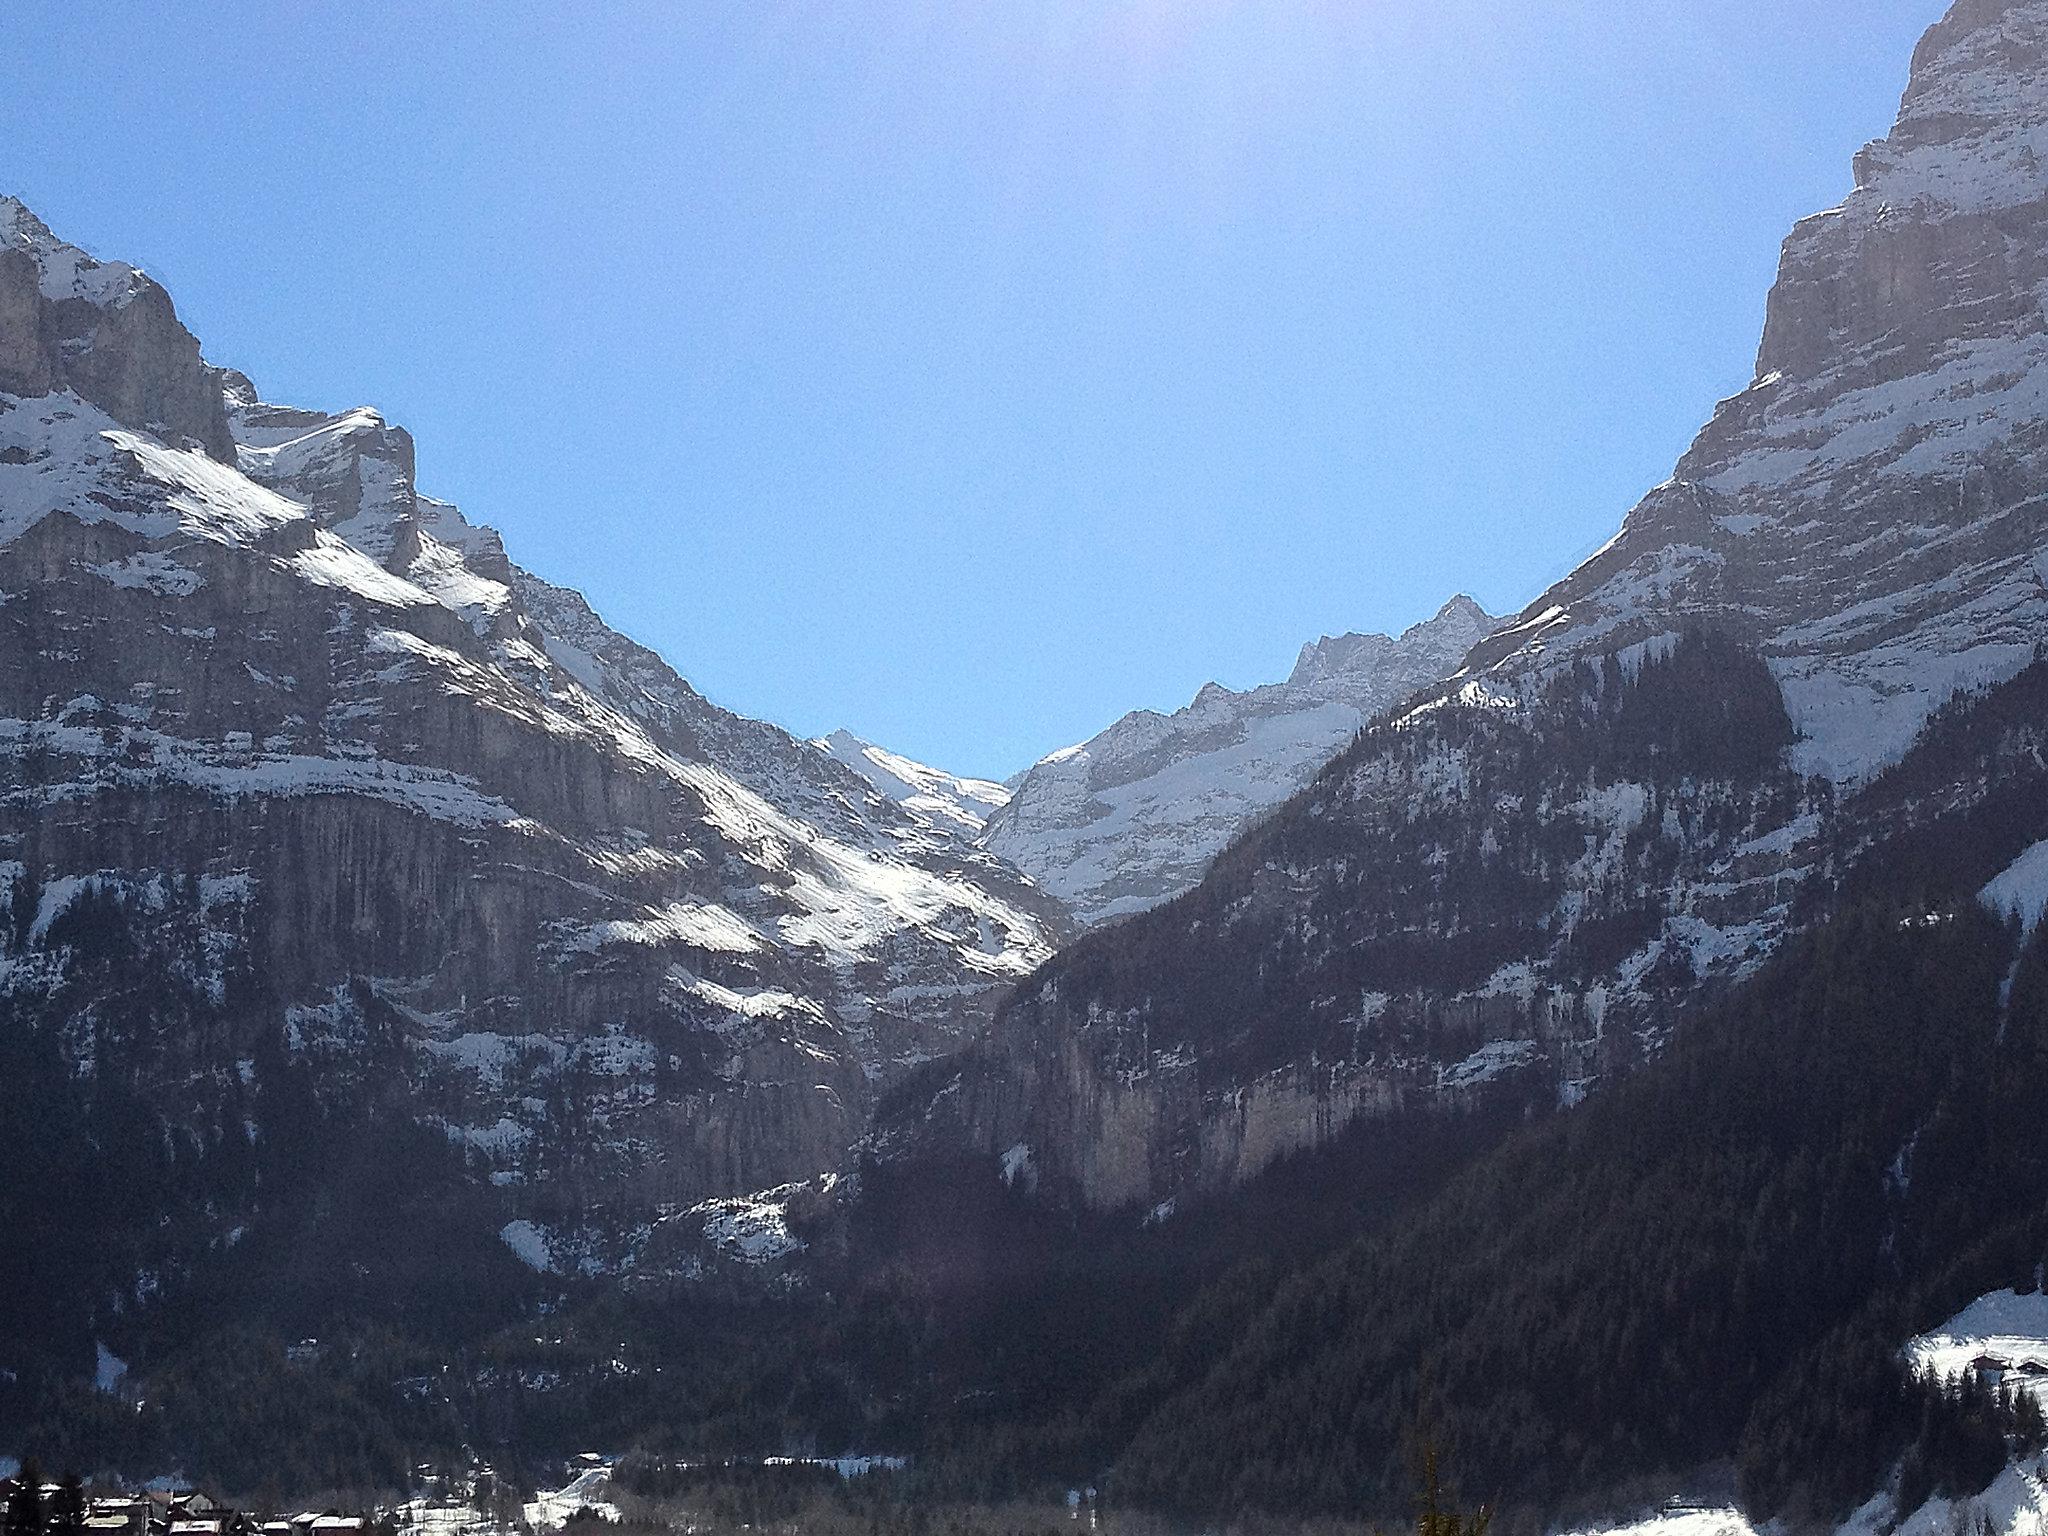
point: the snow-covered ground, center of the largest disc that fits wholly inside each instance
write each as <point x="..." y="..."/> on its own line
<point x="590" y="1489"/>
<point x="2004" y="1325"/>
<point x="587" y="1490"/>
<point x="1679" y="1522"/>
<point x="436" y="1517"/>
<point x="2016" y="1504"/>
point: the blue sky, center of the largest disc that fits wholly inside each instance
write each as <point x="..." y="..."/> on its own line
<point x="968" y="373"/>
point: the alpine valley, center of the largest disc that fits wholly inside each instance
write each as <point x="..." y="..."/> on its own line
<point x="1613" y="1038"/>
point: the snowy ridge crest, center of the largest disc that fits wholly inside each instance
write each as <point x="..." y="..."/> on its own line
<point x="1132" y="817"/>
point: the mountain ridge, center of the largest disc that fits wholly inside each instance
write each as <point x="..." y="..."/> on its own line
<point x="431" y="800"/>
<point x="1131" y="817"/>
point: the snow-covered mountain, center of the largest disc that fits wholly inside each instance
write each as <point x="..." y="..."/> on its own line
<point x="1628" y="796"/>
<point x="368" y="799"/>
<point x="1132" y="817"/>
<point x="1868" y="513"/>
<point x="957" y="804"/>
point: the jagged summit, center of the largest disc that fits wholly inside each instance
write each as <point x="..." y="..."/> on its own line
<point x="1460" y="619"/>
<point x="1132" y="816"/>
<point x="66" y="271"/>
<point x="105" y="332"/>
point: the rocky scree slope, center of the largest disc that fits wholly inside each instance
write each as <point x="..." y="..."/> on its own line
<point x="1132" y="816"/>
<point x="378" y="803"/>
<point x="1627" y="793"/>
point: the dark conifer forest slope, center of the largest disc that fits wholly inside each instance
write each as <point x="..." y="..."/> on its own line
<point x="1717" y="1260"/>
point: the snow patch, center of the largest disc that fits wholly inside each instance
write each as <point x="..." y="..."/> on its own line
<point x="530" y="1242"/>
<point x="108" y="1369"/>
<point x="754" y="1228"/>
<point x="2021" y="890"/>
<point x="1494" y="1059"/>
<point x="714" y="929"/>
<point x="150" y="571"/>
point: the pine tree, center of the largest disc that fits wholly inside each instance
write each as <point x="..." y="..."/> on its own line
<point x="2029" y="1424"/>
<point x="67" y="1507"/>
<point x="25" y="1504"/>
<point x="1437" y="1512"/>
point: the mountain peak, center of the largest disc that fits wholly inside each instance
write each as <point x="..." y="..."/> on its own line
<point x="1133" y="815"/>
<point x="65" y="271"/>
<point x="105" y="332"/>
<point x="933" y="796"/>
<point x="1457" y="626"/>
<point x="1465" y="609"/>
<point x="16" y="217"/>
<point x="540" y="815"/>
<point x="1895" y="436"/>
<point x="1970" y="141"/>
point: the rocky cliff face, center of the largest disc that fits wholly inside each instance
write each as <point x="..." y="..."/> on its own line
<point x="308" y="749"/>
<point x="1633" y="791"/>
<point x="1133" y="816"/>
<point x="1868" y="512"/>
<point x="105" y="332"/>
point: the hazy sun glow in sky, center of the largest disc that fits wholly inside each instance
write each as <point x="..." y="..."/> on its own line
<point x="966" y="374"/>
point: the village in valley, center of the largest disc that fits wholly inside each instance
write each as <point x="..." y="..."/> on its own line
<point x="443" y="1504"/>
<point x="589" y="1494"/>
<point x="34" y="1507"/>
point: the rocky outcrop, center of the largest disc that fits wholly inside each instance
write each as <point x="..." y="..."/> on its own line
<point x="1133" y="816"/>
<point x="105" y="331"/>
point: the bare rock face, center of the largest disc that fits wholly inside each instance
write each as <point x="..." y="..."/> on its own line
<point x="1631" y="792"/>
<point x="105" y="331"/>
<point x="1132" y="817"/>
<point x="302" y="748"/>
<point x="28" y="351"/>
